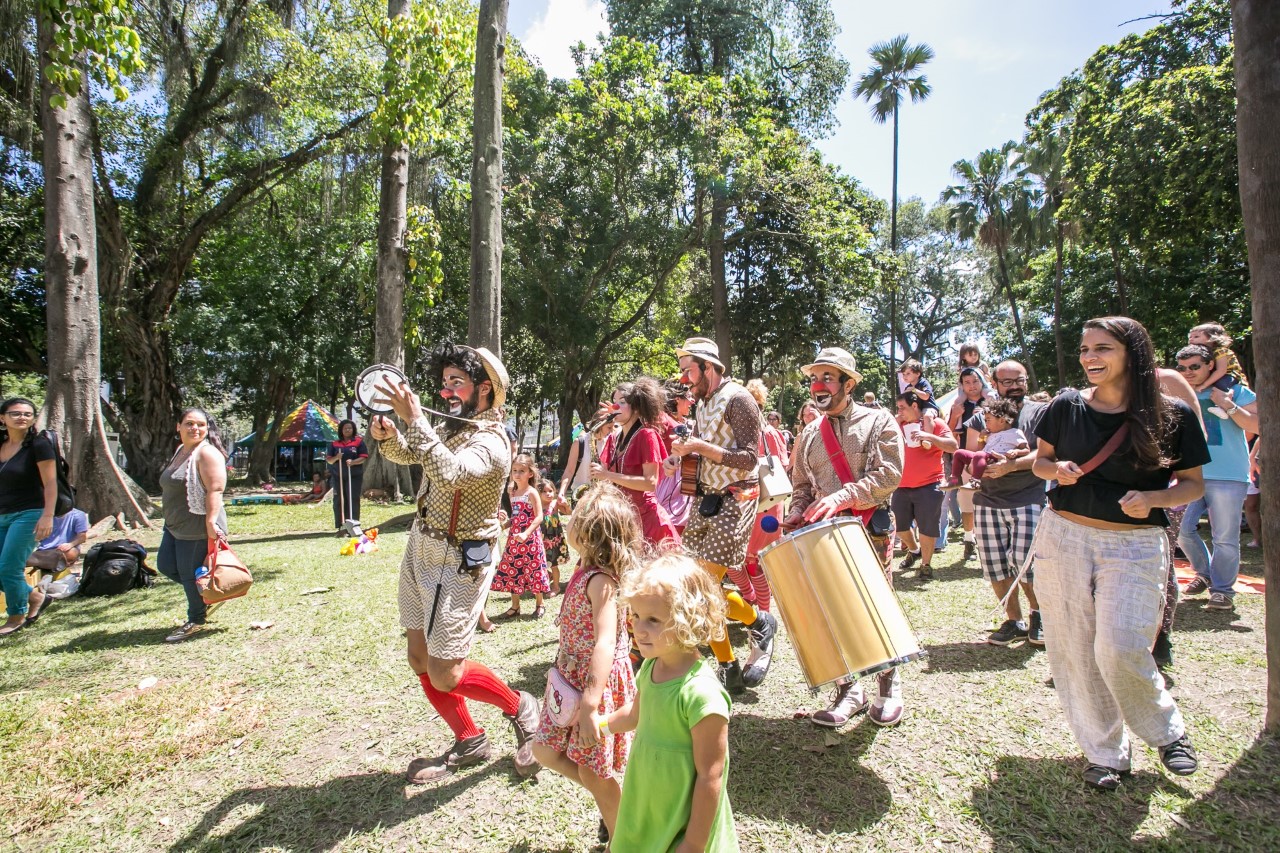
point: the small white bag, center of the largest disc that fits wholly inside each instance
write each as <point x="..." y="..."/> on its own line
<point x="775" y="485"/>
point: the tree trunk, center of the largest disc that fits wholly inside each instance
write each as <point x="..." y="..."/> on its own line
<point x="1257" y="67"/>
<point x="1005" y="282"/>
<point x="719" y="284"/>
<point x="262" y="455"/>
<point x="71" y="293"/>
<point x="484" y="327"/>
<point x="1059" y="353"/>
<point x="893" y="285"/>
<point x="1122" y="287"/>
<point x="388" y="333"/>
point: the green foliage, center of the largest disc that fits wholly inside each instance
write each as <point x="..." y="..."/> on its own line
<point x="893" y="75"/>
<point x="95" y="33"/>
<point x="429" y="57"/>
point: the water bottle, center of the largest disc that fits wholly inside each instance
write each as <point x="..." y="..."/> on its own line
<point x="202" y="577"/>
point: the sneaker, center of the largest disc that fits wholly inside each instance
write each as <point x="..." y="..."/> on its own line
<point x="925" y="572"/>
<point x="1219" y="413"/>
<point x="1198" y="585"/>
<point x="910" y="560"/>
<point x="463" y="753"/>
<point x="1219" y="601"/>
<point x="1035" y="629"/>
<point x="887" y="708"/>
<point x="1162" y="651"/>
<point x="949" y="486"/>
<point x="186" y="632"/>
<point x="970" y="550"/>
<point x="849" y="701"/>
<point x="730" y="675"/>
<point x="1009" y="630"/>
<point x="762" y="632"/>
<point x="1103" y="778"/>
<point x="525" y="725"/>
<point x="1179" y="757"/>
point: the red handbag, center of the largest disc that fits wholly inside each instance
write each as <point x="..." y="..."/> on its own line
<point x="228" y="577"/>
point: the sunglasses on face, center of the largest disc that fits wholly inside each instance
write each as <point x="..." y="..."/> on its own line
<point x="1187" y="368"/>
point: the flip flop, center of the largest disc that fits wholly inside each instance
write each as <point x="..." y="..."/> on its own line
<point x="40" y="609"/>
<point x="11" y="631"/>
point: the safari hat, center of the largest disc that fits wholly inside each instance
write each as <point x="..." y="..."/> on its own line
<point x="496" y="372"/>
<point x="835" y="357"/>
<point x="703" y="348"/>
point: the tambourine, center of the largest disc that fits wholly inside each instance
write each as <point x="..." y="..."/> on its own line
<point x="367" y="394"/>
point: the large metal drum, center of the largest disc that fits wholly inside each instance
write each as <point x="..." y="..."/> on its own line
<point x="843" y="617"/>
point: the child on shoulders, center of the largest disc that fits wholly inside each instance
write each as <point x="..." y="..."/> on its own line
<point x="1227" y="372"/>
<point x="911" y="378"/>
<point x="1002" y="442"/>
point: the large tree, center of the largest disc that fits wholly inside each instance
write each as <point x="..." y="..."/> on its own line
<point x="895" y="74"/>
<point x="1044" y="161"/>
<point x="485" y="322"/>
<point x="1257" y="66"/>
<point x="991" y="206"/>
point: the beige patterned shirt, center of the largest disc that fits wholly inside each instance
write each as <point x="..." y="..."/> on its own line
<point x="872" y="446"/>
<point x="475" y="460"/>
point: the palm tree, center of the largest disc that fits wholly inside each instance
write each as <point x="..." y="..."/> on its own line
<point x="1045" y="161"/>
<point x="990" y="205"/>
<point x="895" y="72"/>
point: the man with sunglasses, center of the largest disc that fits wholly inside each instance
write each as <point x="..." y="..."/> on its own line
<point x="871" y="444"/>
<point x="1226" y="481"/>
<point x="450" y="558"/>
<point x="1006" y="510"/>
<point x="728" y="493"/>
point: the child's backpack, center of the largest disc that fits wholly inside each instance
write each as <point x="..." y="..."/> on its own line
<point x="66" y="491"/>
<point x="111" y="568"/>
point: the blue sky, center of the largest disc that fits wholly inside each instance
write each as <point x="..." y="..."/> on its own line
<point x="994" y="59"/>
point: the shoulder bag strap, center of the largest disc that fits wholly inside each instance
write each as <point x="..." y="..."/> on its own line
<point x="835" y="451"/>
<point x="1113" y="443"/>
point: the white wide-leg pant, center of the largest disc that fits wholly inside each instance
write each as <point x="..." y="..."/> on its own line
<point x="1102" y="595"/>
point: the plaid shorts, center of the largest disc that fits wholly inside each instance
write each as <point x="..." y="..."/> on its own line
<point x="1004" y="540"/>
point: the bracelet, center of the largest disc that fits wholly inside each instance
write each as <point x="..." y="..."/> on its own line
<point x="1231" y="411"/>
<point x="604" y="729"/>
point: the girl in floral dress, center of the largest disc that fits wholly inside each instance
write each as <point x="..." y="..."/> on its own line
<point x="524" y="562"/>
<point x="553" y="543"/>
<point x="605" y="531"/>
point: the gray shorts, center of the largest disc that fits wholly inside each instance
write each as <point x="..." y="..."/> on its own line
<point x="923" y="505"/>
<point x="429" y="580"/>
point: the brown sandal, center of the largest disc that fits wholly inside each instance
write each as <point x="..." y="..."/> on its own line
<point x="510" y="613"/>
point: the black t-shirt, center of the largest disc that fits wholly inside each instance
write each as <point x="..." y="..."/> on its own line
<point x="21" y="487"/>
<point x="1017" y="488"/>
<point x="1078" y="432"/>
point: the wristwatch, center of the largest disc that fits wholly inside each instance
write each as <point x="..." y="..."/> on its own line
<point x="1231" y="411"/>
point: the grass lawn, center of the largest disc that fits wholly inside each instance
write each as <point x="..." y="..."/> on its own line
<point x="295" y="737"/>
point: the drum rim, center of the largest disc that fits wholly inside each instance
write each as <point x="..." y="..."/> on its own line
<point x="893" y="663"/>
<point x="388" y="368"/>
<point x="834" y="521"/>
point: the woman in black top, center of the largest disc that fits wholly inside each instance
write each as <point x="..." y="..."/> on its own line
<point x="28" y="495"/>
<point x="1101" y="555"/>
<point x="346" y="458"/>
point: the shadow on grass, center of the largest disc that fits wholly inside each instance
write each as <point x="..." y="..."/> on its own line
<point x="1191" y="616"/>
<point x="319" y="817"/>
<point x="780" y="770"/>
<point x="96" y="641"/>
<point x="978" y="656"/>
<point x="1043" y="804"/>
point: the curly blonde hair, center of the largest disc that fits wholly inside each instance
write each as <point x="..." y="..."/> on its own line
<point x="698" y="608"/>
<point x="759" y="392"/>
<point x="605" y="530"/>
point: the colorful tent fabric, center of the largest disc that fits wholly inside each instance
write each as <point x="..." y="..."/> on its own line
<point x="309" y="423"/>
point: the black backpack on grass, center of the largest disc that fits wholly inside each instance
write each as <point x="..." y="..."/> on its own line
<point x="111" y="568"/>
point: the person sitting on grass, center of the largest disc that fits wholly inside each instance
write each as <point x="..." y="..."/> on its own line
<point x="319" y="489"/>
<point x="61" y="548"/>
<point x="1003" y="441"/>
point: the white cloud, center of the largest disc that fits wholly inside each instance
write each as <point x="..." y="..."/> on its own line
<point x="565" y="23"/>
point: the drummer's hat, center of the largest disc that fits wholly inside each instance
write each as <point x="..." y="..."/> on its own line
<point x="835" y="357"/>
<point x="703" y="348"/>
<point x="496" y="372"/>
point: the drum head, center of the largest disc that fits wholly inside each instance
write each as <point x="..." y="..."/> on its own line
<point x="367" y="395"/>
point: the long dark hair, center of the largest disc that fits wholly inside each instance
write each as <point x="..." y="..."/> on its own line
<point x="214" y="436"/>
<point x="1149" y="413"/>
<point x="9" y="404"/>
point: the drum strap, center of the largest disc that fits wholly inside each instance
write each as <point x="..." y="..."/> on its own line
<point x="841" y="465"/>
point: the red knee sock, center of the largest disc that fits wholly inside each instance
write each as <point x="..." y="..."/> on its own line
<point x="452" y="709"/>
<point x="760" y="584"/>
<point x="479" y="683"/>
<point x="742" y="581"/>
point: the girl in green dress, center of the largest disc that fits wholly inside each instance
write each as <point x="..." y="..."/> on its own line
<point x="675" y="794"/>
